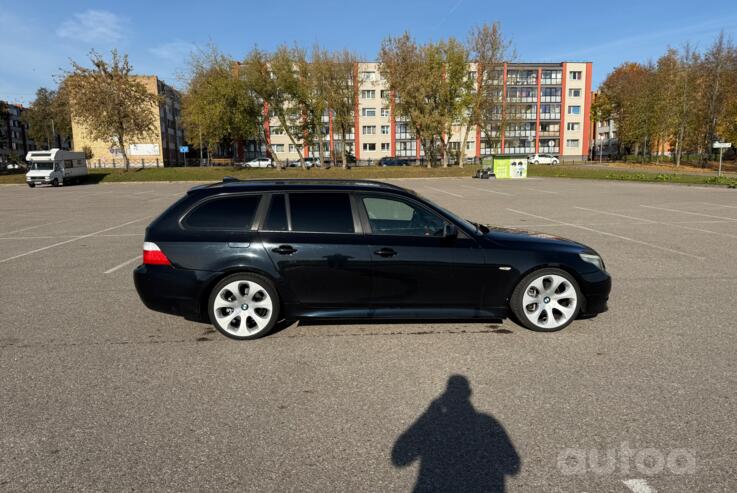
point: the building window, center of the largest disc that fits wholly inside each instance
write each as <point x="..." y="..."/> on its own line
<point x="368" y="129"/>
<point x="385" y="129"/>
<point x="572" y="143"/>
<point x="385" y="112"/>
<point x="573" y="126"/>
<point x="368" y="111"/>
<point x="574" y="93"/>
<point x="276" y="131"/>
<point x="293" y="148"/>
<point x="369" y="146"/>
<point x="277" y="147"/>
<point x="368" y="94"/>
<point x="575" y="74"/>
<point x="366" y="76"/>
<point x="574" y="110"/>
<point x="385" y="146"/>
<point x="384" y="94"/>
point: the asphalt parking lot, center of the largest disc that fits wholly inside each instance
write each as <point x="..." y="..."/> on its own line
<point x="98" y="393"/>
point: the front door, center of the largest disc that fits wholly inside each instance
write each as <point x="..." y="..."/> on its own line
<point x="314" y="242"/>
<point x="415" y="267"/>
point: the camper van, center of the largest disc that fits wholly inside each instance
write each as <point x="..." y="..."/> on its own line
<point x="55" y="167"/>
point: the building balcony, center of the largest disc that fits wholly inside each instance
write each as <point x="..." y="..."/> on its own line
<point x="551" y="82"/>
<point x="550" y="116"/>
<point x="550" y="99"/>
<point x="528" y="99"/>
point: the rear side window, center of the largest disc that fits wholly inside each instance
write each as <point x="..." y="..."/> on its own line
<point x="321" y="212"/>
<point x="276" y="219"/>
<point x="235" y="213"/>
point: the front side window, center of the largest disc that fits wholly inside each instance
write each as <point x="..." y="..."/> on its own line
<point x="231" y="213"/>
<point x="321" y="212"/>
<point x="398" y="218"/>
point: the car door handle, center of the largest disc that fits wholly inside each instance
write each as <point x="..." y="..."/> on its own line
<point x="385" y="252"/>
<point x="239" y="244"/>
<point x="284" y="250"/>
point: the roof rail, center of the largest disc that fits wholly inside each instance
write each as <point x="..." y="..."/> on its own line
<point x="377" y="183"/>
<point x="228" y="179"/>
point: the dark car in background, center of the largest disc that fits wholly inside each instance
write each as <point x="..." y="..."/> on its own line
<point x="244" y="255"/>
<point x="394" y="161"/>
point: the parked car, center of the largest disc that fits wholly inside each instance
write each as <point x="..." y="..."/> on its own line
<point x="261" y="162"/>
<point x="543" y="159"/>
<point x="394" y="161"/>
<point x="55" y="167"/>
<point x="247" y="254"/>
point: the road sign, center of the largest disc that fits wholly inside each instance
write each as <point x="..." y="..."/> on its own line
<point x="722" y="145"/>
<point x="184" y="149"/>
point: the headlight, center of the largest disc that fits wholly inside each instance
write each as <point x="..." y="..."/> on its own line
<point x="592" y="259"/>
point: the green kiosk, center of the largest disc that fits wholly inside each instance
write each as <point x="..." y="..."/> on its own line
<point x="502" y="167"/>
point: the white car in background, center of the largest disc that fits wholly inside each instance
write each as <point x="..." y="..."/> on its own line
<point x="261" y="162"/>
<point x="543" y="159"/>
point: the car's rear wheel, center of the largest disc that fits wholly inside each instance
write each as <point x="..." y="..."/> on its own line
<point x="55" y="182"/>
<point x="546" y="300"/>
<point x="244" y="306"/>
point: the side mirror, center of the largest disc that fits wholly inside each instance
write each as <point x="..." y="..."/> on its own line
<point x="450" y="231"/>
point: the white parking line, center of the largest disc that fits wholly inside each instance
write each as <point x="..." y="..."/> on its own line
<point x="33" y="227"/>
<point x="721" y="205"/>
<point x="489" y="191"/>
<point x="540" y="191"/>
<point x="666" y="249"/>
<point x="650" y="221"/>
<point x="639" y="486"/>
<point x="688" y="212"/>
<point x="137" y="257"/>
<point x="8" y="259"/>
<point x="443" y="191"/>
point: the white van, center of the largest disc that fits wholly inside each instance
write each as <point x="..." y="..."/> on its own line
<point x="55" y="167"/>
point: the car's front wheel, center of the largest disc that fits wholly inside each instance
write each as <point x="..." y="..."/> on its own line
<point x="244" y="306"/>
<point x="546" y="300"/>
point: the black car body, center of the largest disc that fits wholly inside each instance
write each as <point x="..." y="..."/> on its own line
<point x="348" y="250"/>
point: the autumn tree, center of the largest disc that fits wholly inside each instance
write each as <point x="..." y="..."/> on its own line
<point x="110" y="102"/>
<point x="340" y="93"/>
<point x="489" y="50"/>
<point x="216" y="105"/>
<point x="48" y="117"/>
<point x="273" y="77"/>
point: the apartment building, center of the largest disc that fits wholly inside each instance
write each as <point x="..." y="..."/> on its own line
<point x="159" y="149"/>
<point x="14" y="139"/>
<point x="546" y="107"/>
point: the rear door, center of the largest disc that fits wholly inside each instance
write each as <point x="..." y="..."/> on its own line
<point x="414" y="266"/>
<point x="314" y="239"/>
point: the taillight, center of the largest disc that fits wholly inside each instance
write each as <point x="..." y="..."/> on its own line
<point x="152" y="254"/>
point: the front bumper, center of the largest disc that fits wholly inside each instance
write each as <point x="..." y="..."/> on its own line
<point x="175" y="291"/>
<point x="595" y="288"/>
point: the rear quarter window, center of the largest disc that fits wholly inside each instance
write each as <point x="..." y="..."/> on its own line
<point x="223" y="213"/>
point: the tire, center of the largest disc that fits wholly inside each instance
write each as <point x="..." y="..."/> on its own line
<point x="55" y="182"/>
<point x="259" y="297"/>
<point x="539" y="289"/>
<point x="31" y="185"/>
<point x="536" y="162"/>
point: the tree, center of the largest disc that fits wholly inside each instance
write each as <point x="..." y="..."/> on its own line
<point x="109" y="102"/>
<point x="490" y="50"/>
<point x="216" y="106"/>
<point x="48" y="117"/>
<point x="275" y="79"/>
<point x="340" y="84"/>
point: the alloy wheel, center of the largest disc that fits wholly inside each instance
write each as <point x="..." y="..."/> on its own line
<point x="243" y="308"/>
<point x="549" y="301"/>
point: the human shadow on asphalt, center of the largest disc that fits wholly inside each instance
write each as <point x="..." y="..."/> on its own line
<point x="459" y="449"/>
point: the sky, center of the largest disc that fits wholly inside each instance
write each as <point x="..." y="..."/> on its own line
<point x="38" y="38"/>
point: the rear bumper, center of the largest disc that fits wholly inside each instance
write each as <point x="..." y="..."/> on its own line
<point x="595" y="288"/>
<point x="174" y="291"/>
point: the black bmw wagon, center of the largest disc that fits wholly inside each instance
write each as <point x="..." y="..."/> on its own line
<point x="245" y="255"/>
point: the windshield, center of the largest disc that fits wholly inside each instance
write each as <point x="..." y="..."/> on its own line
<point x="43" y="166"/>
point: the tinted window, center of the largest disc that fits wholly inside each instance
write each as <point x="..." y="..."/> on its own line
<point x="395" y="217"/>
<point x="276" y="219"/>
<point x="321" y="212"/>
<point x="235" y="212"/>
